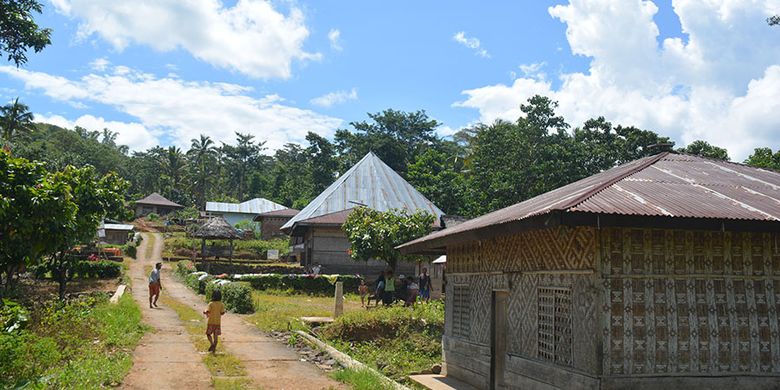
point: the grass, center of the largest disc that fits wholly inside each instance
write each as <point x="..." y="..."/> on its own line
<point x="150" y="240"/>
<point x="279" y="311"/>
<point x="397" y="341"/>
<point x="360" y="379"/>
<point x="178" y="241"/>
<point x="225" y="369"/>
<point x="84" y="344"/>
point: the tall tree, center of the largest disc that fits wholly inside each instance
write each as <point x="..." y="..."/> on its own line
<point x="173" y="166"/>
<point x="396" y="137"/>
<point x="15" y="118"/>
<point x="437" y="174"/>
<point x="241" y="160"/>
<point x="764" y="158"/>
<point x="292" y="185"/>
<point x="705" y="149"/>
<point x="18" y="30"/>
<point x="322" y="162"/>
<point x="202" y="155"/>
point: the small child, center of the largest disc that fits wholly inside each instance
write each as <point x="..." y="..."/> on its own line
<point x="363" y="291"/>
<point x="214" y="312"/>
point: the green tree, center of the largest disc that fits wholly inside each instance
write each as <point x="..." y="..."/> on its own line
<point x="18" y="30"/>
<point x="173" y="166"/>
<point x="764" y="158"/>
<point x="437" y="174"/>
<point x="322" y="161"/>
<point x="32" y="207"/>
<point x="396" y="137"/>
<point x="704" y="149"/>
<point x="15" y="118"/>
<point x="241" y="160"/>
<point x="375" y="234"/>
<point x="202" y="156"/>
<point x="94" y="198"/>
<point x="291" y="177"/>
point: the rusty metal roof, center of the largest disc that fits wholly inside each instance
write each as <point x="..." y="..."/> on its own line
<point x="369" y="183"/>
<point x="277" y="213"/>
<point x="338" y="218"/>
<point x="663" y="185"/>
<point x="157" y="200"/>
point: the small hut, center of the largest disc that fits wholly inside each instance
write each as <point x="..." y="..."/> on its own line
<point x="216" y="228"/>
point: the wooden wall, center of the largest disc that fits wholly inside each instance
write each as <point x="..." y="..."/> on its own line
<point x="329" y="247"/>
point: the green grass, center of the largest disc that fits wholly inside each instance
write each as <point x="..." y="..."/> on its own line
<point x="274" y="310"/>
<point x="85" y="344"/>
<point x="150" y="240"/>
<point x="179" y="240"/>
<point x="360" y="379"/>
<point x="398" y="341"/>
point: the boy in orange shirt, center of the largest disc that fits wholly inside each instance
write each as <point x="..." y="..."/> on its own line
<point x="214" y="312"/>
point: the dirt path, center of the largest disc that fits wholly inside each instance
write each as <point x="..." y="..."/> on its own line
<point x="268" y="362"/>
<point x="165" y="358"/>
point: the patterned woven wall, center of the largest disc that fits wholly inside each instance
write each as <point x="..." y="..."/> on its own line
<point x="690" y="301"/>
<point x="561" y="248"/>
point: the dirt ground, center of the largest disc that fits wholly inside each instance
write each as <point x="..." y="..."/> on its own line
<point x="168" y="359"/>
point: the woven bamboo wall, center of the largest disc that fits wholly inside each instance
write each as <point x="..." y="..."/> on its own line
<point x="563" y="249"/>
<point x="690" y="302"/>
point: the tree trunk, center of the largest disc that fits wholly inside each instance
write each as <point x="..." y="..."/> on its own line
<point x="62" y="276"/>
<point x="393" y="263"/>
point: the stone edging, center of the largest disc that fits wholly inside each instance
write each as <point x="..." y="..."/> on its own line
<point x="346" y="361"/>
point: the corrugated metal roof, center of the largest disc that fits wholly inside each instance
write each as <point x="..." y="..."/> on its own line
<point x="157" y="200"/>
<point x="369" y="183"/>
<point x="252" y="206"/>
<point x="278" y="213"/>
<point x="664" y="185"/>
<point x="337" y="218"/>
<point x="116" y="226"/>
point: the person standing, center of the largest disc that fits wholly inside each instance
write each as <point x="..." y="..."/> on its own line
<point x="388" y="296"/>
<point x="155" y="286"/>
<point x="425" y="285"/>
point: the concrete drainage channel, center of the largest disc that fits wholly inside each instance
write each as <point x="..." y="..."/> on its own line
<point x="346" y="361"/>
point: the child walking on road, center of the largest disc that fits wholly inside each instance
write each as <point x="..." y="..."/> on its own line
<point x="214" y="312"/>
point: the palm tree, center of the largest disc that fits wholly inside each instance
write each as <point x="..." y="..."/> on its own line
<point x="202" y="153"/>
<point x="15" y="118"/>
<point x="173" y="166"/>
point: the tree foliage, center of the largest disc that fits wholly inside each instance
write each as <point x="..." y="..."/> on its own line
<point x="18" y="30"/>
<point x="764" y="158"/>
<point x="705" y="149"/>
<point x="15" y="118"/>
<point x="375" y="234"/>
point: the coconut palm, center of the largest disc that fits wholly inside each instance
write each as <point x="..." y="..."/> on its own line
<point x="202" y="156"/>
<point x="14" y="119"/>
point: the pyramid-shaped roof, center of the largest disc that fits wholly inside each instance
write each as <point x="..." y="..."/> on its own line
<point x="665" y="185"/>
<point x="157" y="200"/>
<point x="369" y="183"/>
<point x="252" y="206"/>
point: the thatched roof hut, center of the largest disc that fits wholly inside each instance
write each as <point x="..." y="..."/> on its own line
<point x="216" y="228"/>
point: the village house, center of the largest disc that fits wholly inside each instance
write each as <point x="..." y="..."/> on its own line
<point x="271" y="222"/>
<point x="115" y="233"/>
<point x="244" y="211"/>
<point x="317" y="236"/>
<point x="155" y="203"/>
<point x="663" y="273"/>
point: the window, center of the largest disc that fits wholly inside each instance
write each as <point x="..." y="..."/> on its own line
<point x="554" y="322"/>
<point x="461" y="308"/>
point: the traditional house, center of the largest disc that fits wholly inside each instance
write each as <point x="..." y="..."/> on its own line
<point x="316" y="231"/>
<point x="115" y="233"/>
<point x="155" y="203"/>
<point x="271" y="222"/>
<point x="245" y="211"/>
<point x="662" y="273"/>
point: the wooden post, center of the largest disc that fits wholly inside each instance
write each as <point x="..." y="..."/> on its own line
<point x="339" y="309"/>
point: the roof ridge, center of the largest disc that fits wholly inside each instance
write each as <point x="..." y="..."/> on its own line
<point x="588" y="194"/>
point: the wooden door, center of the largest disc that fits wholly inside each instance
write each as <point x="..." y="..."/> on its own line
<point x="498" y="332"/>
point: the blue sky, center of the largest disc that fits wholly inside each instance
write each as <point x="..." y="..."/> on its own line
<point x="164" y="71"/>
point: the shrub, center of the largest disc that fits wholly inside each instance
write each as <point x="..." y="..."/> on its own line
<point x="195" y="282"/>
<point x="184" y="268"/>
<point x="130" y="250"/>
<point x="97" y="269"/>
<point x="237" y="296"/>
<point x="152" y="217"/>
<point x="308" y="284"/>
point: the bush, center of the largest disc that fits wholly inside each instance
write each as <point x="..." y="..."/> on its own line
<point x="184" y="268"/>
<point x="237" y="296"/>
<point x="195" y="282"/>
<point x="226" y="267"/>
<point x="97" y="269"/>
<point x="308" y="284"/>
<point x="130" y="250"/>
<point x="153" y="217"/>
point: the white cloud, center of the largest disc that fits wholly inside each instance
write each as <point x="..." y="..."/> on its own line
<point x="135" y="135"/>
<point x="250" y="37"/>
<point x="715" y="86"/>
<point x="99" y="64"/>
<point x="471" y="43"/>
<point x="184" y="109"/>
<point x="333" y="98"/>
<point x="334" y="36"/>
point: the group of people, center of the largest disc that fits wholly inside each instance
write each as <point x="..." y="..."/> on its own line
<point x="389" y="289"/>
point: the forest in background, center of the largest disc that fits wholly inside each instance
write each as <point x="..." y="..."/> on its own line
<point x="479" y="169"/>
